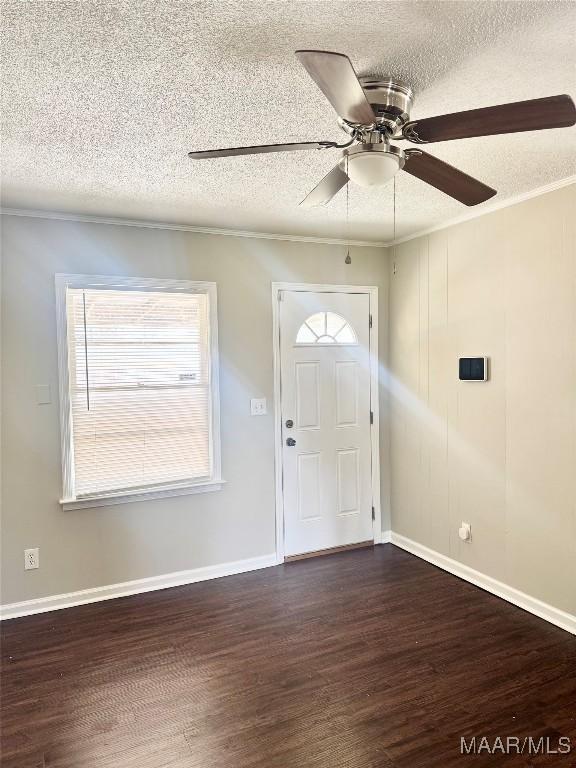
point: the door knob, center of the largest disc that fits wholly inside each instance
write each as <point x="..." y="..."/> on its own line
<point x="290" y="442"/>
<point x="289" y="423"/>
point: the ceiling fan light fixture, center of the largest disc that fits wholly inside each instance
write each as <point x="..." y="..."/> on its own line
<point x="372" y="165"/>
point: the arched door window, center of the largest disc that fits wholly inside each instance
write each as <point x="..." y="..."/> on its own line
<point x="326" y="328"/>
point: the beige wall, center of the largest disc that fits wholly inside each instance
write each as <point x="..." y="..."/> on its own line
<point x="502" y="454"/>
<point x="94" y="547"/>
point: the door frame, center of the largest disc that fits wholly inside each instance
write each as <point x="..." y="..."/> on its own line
<point x="372" y="292"/>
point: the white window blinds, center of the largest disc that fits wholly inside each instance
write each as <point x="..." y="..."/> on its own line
<point x="139" y="379"/>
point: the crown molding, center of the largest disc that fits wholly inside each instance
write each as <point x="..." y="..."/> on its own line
<point x="468" y="216"/>
<point x="477" y="213"/>
<point x="89" y="219"/>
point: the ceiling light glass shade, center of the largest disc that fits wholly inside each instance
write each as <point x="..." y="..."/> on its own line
<point x="372" y="167"/>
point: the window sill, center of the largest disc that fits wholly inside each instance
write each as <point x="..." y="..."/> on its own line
<point x="107" y="499"/>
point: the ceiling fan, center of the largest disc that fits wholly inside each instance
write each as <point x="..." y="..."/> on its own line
<point x="374" y="112"/>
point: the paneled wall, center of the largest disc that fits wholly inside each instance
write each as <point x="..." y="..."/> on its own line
<point x="500" y="455"/>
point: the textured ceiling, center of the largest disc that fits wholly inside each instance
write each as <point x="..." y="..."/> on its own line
<point x="103" y="99"/>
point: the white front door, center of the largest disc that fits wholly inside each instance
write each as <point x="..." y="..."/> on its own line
<point x="325" y="410"/>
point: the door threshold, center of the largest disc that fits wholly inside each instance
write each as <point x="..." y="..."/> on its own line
<point x="331" y="551"/>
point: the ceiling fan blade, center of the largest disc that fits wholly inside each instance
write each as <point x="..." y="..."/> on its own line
<point x="263" y="148"/>
<point x="446" y="178"/>
<point x="334" y="74"/>
<point x="533" y="115"/>
<point x="327" y="188"/>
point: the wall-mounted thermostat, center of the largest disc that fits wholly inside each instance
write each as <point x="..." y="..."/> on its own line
<point x="473" y="369"/>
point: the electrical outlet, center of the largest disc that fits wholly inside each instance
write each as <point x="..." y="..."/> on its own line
<point x="465" y="531"/>
<point x="31" y="558"/>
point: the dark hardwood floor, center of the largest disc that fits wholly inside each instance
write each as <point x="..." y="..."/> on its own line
<point x="365" y="659"/>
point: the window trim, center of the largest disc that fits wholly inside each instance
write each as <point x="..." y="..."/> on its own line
<point x="215" y="482"/>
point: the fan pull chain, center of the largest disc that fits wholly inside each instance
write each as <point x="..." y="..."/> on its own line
<point x="394" y="213"/>
<point x="348" y="259"/>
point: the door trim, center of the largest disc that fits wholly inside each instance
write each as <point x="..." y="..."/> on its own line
<point x="372" y="292"/>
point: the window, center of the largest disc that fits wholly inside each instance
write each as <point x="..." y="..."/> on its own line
<point x="326" y="328"/>
<point x="138" y="387"/>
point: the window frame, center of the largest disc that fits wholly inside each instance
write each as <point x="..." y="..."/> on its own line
<point x="215" y="482"/>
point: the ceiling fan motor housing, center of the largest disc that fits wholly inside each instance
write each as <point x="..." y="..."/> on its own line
<point x="390" y="99"/>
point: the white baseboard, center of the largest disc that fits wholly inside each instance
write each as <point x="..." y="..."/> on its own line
<point x="96" y="594"/>
<point x="544" y="611"/>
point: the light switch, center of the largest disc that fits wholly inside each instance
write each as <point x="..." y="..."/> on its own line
<point x="258" y="406"/>
<point x="43" y="394"/>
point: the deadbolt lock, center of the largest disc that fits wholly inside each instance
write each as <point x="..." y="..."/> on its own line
<point x="289" y="423"/>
